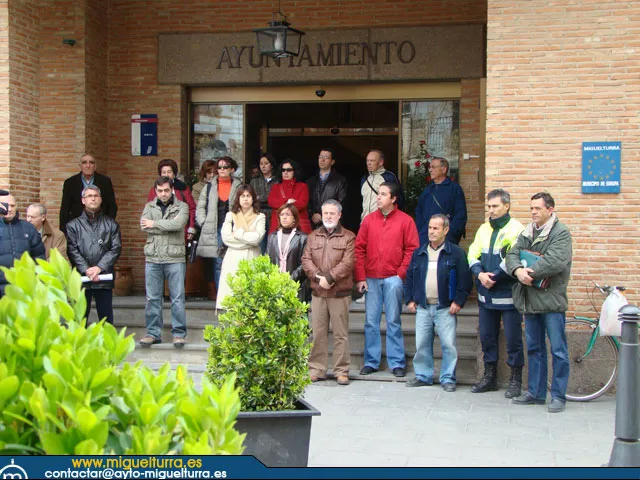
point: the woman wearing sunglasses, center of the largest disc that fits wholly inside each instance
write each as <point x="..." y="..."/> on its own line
<point x="290" y="192"/>
<point x="213" y="206"/>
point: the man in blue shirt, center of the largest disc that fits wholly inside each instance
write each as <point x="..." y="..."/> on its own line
<point x="444" y="196"/>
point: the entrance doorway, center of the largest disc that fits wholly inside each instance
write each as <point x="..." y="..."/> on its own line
<point x="299" y="131"/>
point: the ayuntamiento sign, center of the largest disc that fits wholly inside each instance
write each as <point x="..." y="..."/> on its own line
<point x="361" y="55"/>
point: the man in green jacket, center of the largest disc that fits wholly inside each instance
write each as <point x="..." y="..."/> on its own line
<point x="163" y="220"/>
<point x="541" y="295"/>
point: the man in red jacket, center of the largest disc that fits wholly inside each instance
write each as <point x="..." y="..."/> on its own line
<point x="384" y="245"/>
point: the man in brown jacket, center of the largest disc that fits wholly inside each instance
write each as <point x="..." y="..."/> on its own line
<point x="51" y="237"/>
<point x="328" y="261"/>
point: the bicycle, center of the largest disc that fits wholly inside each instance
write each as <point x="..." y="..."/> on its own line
<point x="593" y="358"/>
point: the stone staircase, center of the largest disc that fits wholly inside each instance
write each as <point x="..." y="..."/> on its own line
<point x="129" y="313"/>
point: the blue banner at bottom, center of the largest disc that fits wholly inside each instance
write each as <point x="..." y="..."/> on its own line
<point x="162" y="467"/>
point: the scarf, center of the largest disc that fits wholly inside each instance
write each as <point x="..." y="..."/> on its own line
<point x="282" y="261"/>
<point x="498" y="223"/>
<point x="244" y="220"/>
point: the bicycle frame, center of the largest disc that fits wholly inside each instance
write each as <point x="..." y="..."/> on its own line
<point x="594" y="336"/>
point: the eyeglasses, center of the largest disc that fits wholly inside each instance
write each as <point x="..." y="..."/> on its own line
<point x="324" y="157"/>
<point x="224" y="167"/>
<point x="91" y="196"/>
<point x="287" y="169"/>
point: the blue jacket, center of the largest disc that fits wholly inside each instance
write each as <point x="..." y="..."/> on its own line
<point x="454" y="276"/>
<point x="451" y="199"/>
<point x="17" y="237"/>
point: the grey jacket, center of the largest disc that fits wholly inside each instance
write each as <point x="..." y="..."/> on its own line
<point x="165" y="241"/>
<point x="554" y="244"/>
<point x="208" y="243"/>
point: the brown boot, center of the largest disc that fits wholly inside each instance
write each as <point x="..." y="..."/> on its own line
<point x="212" y="293"/>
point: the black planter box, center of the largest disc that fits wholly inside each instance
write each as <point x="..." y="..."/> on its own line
<point x="279" y="438"/>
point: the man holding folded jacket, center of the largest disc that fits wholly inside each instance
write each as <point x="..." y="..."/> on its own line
<point x="541" y="295"/>
<point x="94" y="245"/>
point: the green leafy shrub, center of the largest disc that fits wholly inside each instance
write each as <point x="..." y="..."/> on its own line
<point x="64" y="390"/>
<point x="262" y="338"/>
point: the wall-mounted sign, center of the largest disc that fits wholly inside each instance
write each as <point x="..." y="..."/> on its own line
<point x="601" y="167"/>
<point x="144" y="134"/>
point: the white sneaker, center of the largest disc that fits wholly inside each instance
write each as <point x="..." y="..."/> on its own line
<point x="360" y="300"/>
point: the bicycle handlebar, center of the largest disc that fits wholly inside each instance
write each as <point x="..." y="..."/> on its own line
<point x="607" y="289"/>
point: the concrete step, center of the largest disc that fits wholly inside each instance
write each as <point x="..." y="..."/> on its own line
<point x="195" y="356"/>
<point x="129" y="313"/>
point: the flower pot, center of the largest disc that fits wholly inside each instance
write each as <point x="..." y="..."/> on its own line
<point x="123" y="283"/>
<point x="280" y="438"/>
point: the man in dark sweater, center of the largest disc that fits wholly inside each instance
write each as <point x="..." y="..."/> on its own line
<point x="327" y="184"/>
<point x="16" y="236"/>
<point x="71" y="206"/>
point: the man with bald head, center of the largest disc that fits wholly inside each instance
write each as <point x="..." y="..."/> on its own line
<point x="16" y="236"/>
<point x="51" y="237"/>
<point x="72" y="206"/>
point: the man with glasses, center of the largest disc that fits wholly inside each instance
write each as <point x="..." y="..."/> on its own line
<point x="94" y="245"/>
<point x="72" y="205"/>
<point x="327" y="184"/>
<point x="444" y="196"/>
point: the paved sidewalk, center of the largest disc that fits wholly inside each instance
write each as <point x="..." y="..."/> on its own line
<point x="385" y="424"/>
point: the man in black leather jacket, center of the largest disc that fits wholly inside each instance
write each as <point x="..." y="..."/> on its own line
<point x="325" y="185"/>
<point x="94" y="245"/>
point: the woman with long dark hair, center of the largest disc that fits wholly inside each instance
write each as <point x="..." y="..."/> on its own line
<point x="286" y="246"/>
<point x="243" y="230"/>
<point x="262" y="185"/>
<point x="290" y="192"/>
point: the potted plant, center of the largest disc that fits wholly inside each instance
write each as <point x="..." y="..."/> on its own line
<point x="65" y="389"/>
<point x="263" y="337"/>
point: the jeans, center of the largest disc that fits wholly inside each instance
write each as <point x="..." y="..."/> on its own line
<point x="535" y="327"/>
<point x="387" y="291"/>
<point x="490" y="328"/>
<point x="155" y="274"/>
<point x="104" y="303"/>
<point x="445" y="323"/>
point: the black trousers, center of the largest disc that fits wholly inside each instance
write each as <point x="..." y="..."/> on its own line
<point x="104" y="302"/>
<point x="489" y="330"/>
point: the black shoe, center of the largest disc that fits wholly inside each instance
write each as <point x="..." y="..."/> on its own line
<point x="449" y="387"/>
<point x="556" y="406"/>
<point x="416" y="382"/>
<point x="367" y="370"/>
<point x="489" y="382"/>
<point x="515" y="384"/>
<point x="527" y="399"/>
<point x="399" y="372"/>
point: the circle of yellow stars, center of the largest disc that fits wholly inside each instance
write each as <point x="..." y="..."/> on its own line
<point x="600" y="171"/>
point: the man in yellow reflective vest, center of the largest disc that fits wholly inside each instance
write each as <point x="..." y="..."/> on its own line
<point x="486" y="261"/>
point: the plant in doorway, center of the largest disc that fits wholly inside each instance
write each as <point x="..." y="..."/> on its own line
<point x="263" y="337"/>
<point x="418" y="177"/>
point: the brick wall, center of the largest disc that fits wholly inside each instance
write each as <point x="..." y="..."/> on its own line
<point x="62" y="98"/>
<point x="23" y="119"/>
<point x="560" y="74"/>
<point x="4" y="94"/>
<point x="133" y="29"/>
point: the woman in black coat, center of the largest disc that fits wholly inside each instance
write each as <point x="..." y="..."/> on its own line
<point x="286" y="246"/>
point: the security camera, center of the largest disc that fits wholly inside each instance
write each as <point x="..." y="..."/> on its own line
<point x="335" y="131"/>
<point x="320" y="92"/>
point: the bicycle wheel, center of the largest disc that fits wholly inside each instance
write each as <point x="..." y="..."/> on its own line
<point x="592" y="375"/>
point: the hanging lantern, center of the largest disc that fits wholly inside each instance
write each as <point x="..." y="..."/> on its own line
<point x="279" y="40"/>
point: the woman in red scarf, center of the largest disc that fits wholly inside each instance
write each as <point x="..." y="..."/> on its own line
<point x="289" y="191"/>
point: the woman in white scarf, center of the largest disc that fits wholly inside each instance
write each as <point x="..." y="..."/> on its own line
<point x="243" y="229"/>
<point x="286" y="246"/>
